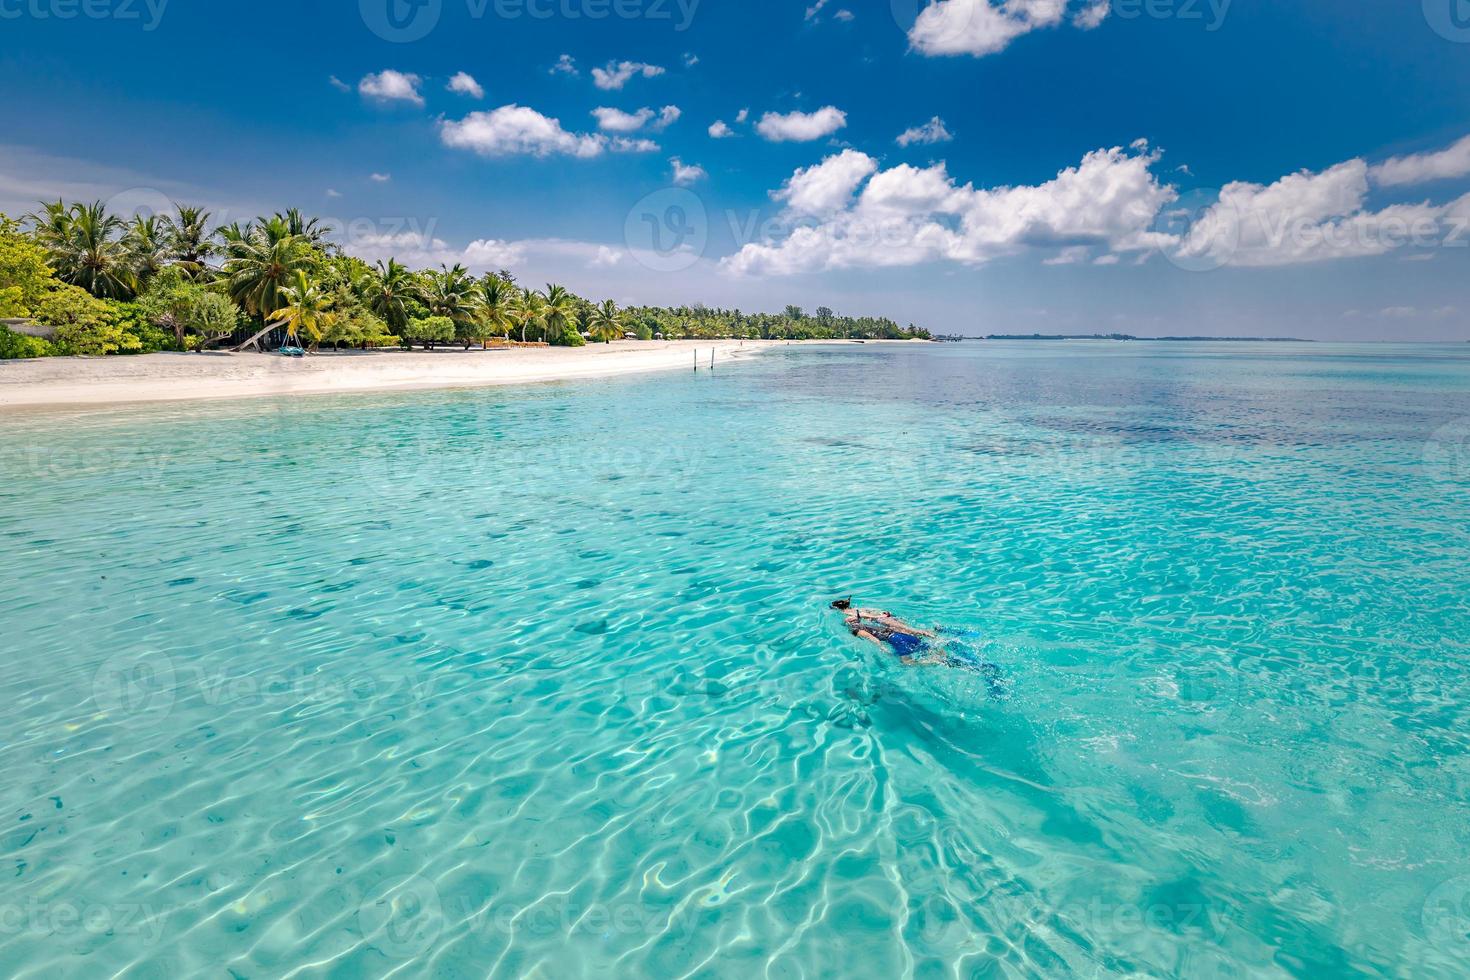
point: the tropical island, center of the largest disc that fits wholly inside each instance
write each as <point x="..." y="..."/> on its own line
<point x="1126" y="336"/>
<point x="77" y="280"/>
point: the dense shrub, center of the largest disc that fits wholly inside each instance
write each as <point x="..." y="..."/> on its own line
<point x="84" y="325"/>
<point x="149" y="337"/>
<point x="194" y="315"/>
<point x="18" y="346"/>
<point x="24" y="275"/>
<point x="431" y="330"/>
<point x="569" y="337"/>
<point x="358" y="327"/>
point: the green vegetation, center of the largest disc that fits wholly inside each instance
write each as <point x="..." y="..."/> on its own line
<point x="25" y="275"/>
<point x="431" y="330"/>
<point x="17" y="346"/>
<point x="699" y="322"/>
<point x="84" y="325"/>
<point x="175" y="283"/>
<point x="195" y="315"/>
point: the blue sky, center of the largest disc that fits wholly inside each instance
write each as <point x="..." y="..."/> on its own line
<point x="1147" y="166"/>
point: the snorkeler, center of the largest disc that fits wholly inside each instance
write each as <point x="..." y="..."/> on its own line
<point x="909" y="643"/>
<point x="917" y="647"/>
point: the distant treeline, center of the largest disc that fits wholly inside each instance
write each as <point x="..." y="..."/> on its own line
<point x="794" y="323"/>
<point x="91" y="282"/>
<point x="1125" y="336"/>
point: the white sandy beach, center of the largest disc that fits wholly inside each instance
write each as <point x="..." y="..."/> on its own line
<point x="74" y="381"/>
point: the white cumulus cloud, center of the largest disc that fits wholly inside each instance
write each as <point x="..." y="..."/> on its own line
<point x="418" y="250"/>
<point x="846" y="212"/>
<point x="827" y="186"/>
<point x="625" y="144"/>
<point x="980" y="27"/>
<point x="392" y="86"/>
<point x="1308" y="217"/>
<point x="933" y="131"/>
<point x="801" y="127"/>
<point x="463" y="83"/>
<point x="1420" y="168"/>
<point x="617" y="74"/>
<point x="686" y="174"/>
<point x="605" y="258"/>
<point x="1092" y="15"/>
<point x="849" y="214"/>
<point x="617" y="121"/>
<point x="719" y="130"/>
<point x="514" y="129"/>
<point x="611" y="120"/>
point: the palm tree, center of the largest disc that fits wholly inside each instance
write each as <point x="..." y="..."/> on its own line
<point x="606" y="322"/>
<point x="452" y="293"/>
<point x="526" y="309"/>
<point x="189" y="239"/>
<point x="302" y="227"/>
<point x="305" y="307"/>
<point x="99" y="256"/>
<point x="87" y="248"/>
<point x="387" y="292"/>
<point x="559" y="312"/>
<point x="262" y="259"/>
<point x="497" y="305"/>
<point x="147" y="241"/>
<point x="51" y="226"/>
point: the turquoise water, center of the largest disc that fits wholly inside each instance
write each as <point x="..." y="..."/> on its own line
<point x="541" y="682"/>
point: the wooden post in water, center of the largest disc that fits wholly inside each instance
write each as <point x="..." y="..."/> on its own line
<point x="696" y="360"/>
<point x="711" y="358"/>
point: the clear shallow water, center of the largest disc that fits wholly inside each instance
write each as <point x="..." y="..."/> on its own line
<point x="540" y="682"/>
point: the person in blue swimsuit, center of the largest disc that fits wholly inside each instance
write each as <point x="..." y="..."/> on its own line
<point x="913" y="646"/>
<point x="916" y="647"/>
